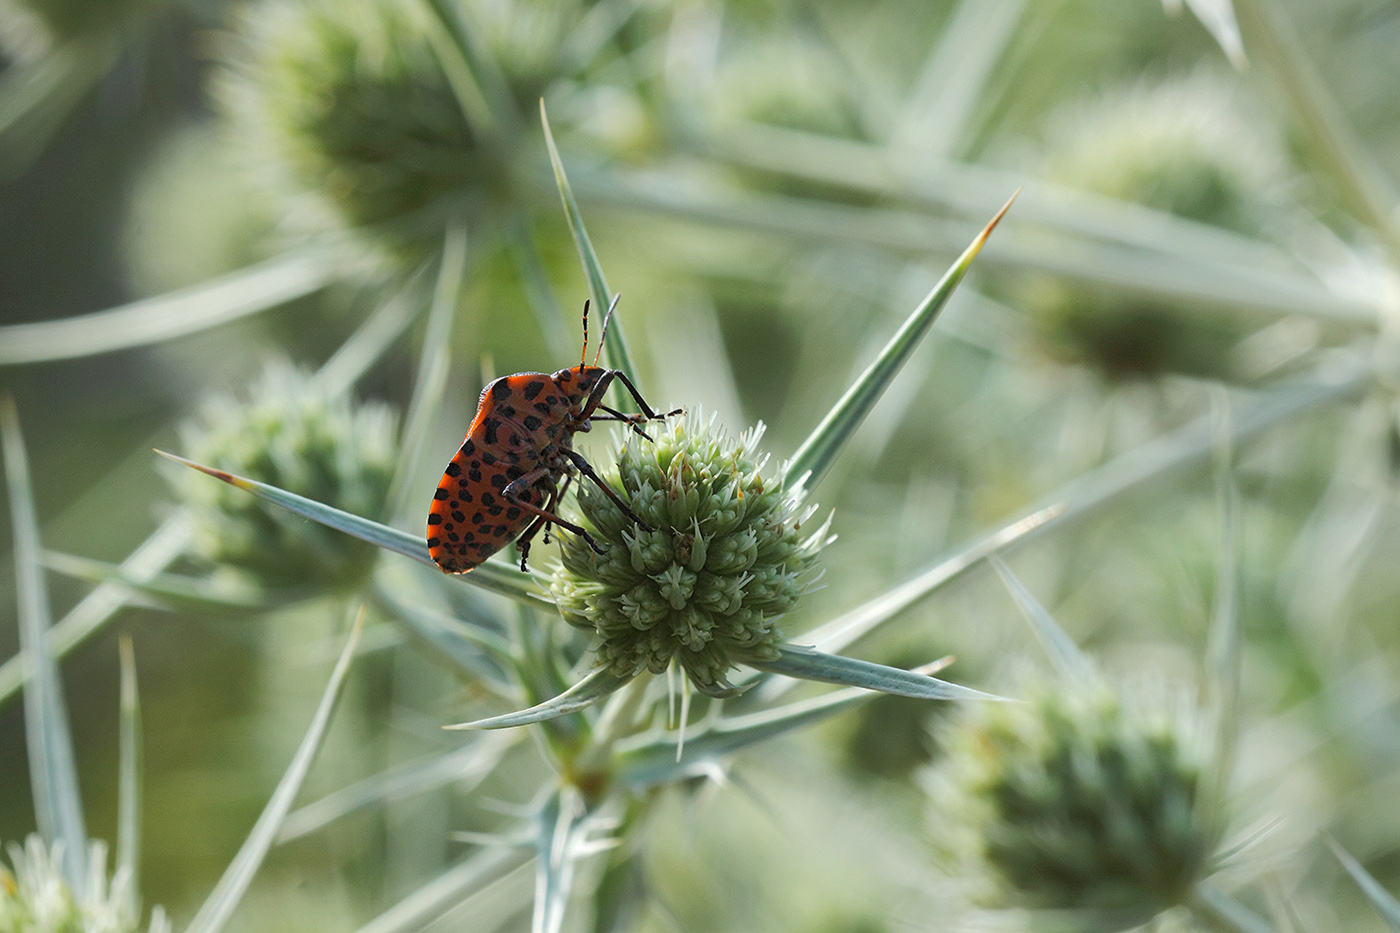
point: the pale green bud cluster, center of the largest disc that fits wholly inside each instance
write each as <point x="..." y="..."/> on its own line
<point x="346" y="103"/>
<point x="1185" y="147"/>
<point x="729" y="553"/>
<point x="293" y="434"/>
<point x="37" y="898"/>
<point x="1073" y="801"/>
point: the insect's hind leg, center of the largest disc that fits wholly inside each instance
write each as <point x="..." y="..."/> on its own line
<point x="522" y="543"/>
<point x="512" y="493"/>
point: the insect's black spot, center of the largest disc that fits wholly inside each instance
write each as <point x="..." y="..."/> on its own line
<point x="532" y="423"/>
<point x="512" y="513"/>
<point x="552" y="431"/>
<point x="515" y="440"/>
<point x="474" y="476"/>
<point x="468" y="447"/>
<point x="542" y="407"/>
<point x="495" y="511"/>
<point x="532" y="389"/>
<point x="436" y="519"/>
<point x="458" y="516"/>
<point x="492" y="426"/>
<point x="453" y="536"/>
<point x="478" y="518"/>
<point x="564" y="375"/>
<point x="506" y="411"/>
<point x="434" y="542"/>
<point x="489" y="458"/>
<point x="453" y="469"/>
<point x="501" y="531"/>
<point x="440" y="494"/>
<point x="514" y="472"/>
<point x="498" y="481"/>
<point x="500" y="389"/>
<point x="466" y="497"/>
<point x="488" y="499"/>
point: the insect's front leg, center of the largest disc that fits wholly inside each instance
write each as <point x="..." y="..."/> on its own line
<point x="595" y="402"/>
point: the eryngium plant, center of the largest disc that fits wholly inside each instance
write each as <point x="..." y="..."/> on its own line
<point x="727" y="556"/>
<point x="1077" y="801"/>
<point x="296" y="434"/>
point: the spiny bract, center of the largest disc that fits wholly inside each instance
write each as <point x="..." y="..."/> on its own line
<point x="730" y="553"/>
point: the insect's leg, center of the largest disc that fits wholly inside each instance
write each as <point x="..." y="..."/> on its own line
<point x="641" y="402"/>
<point x="630" y="420"/>
<point x="512" y="493"/>
<point x="587" y="470"/>
<point x="595" y="402"/>
<point x="559" y="493"/>
<point x="522" y="543"/>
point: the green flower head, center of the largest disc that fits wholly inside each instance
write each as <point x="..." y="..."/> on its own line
<point x="293" y="434"/>
<point x="1185" y="147"/>
<point x="729" y="553"/>
<point x="1073" y="801"/>
<point x="345" y="104"/>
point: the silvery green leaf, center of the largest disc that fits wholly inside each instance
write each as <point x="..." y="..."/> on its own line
<point x="129" y="771"/>
<point x="164" y="590"/>
<point x="224" y="899"/>
<point x="592" y="688"/>
<point x="482" y="653"/>
<point x="816" y="454"/>
<point x="434" y="899"/>
<point x="165" y="317"/>
<point x="492" y="575"/>
<point x="1385" y="903"/>
<point x="619" y="356"/>
<point x="653" y="760"/>
<point x="807" y="664"/>
<point x="1064" y="653"/>
<point x="1219" y="911"/>
<point x="434" y="359"/>
<point x="53" y="773"/>
<point x="462" y="768"/>
<point x="95" y="609"/>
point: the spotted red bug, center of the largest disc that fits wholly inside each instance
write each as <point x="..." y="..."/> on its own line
<point x="512" y="469"/>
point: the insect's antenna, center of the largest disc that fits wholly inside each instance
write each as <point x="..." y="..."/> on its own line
<point x="603" y="335"/>
<point x="582" y="358"/>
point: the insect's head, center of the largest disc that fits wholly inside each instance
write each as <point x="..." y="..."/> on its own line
<point x="577" y="382"/>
